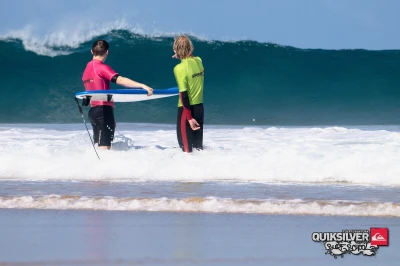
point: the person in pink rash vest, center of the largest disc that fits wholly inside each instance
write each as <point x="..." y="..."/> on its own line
<point x="97" y="76"/>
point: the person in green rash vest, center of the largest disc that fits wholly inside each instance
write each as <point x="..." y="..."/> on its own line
<point x="189" y="75"/>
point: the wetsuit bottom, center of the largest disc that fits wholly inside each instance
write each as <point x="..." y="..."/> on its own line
<point x="103" y="122"/>
<point x="189" y="139"/>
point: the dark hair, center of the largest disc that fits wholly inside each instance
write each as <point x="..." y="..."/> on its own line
<point x="100" y="47"/>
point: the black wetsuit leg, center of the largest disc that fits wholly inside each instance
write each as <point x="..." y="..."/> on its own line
<point x="198" y="114"/>
<point x="103" y="122"/>
<point x="188" y="138"/>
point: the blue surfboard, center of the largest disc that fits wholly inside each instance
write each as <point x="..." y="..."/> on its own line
<point x="126" y="95"/>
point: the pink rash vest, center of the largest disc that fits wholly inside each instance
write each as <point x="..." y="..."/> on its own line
<point x="97" y="76"/>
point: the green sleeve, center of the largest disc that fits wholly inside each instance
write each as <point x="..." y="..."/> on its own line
<point x="181" y="79"/>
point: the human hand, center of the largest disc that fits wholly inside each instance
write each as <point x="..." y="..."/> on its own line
<point x="193" y="124"/>
<point x="148" y="89"/>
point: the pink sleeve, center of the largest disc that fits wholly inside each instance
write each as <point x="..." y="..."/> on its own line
<point x="106" y="72"/>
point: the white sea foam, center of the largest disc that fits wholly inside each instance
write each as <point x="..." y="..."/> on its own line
<point x="299" y="155"/>
<point x="208" y="205"/>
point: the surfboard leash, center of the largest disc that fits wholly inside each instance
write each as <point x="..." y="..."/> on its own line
<point x="83" y="117"/>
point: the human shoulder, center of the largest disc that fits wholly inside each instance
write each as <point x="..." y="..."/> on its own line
<point x="198" y="58"/>
<point x="103" y="70"/>
<point x="198" y="61"/>
<point x="179" y="67"/>
<point x="89" y="64"/>
<point x="102" y="64"/>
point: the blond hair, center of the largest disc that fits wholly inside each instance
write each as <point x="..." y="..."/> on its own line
<point x="183" y="47"/>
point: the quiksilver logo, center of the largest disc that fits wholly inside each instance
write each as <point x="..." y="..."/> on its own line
<point x="378" y="237"/>
<point x="88" y="81"/>
<point x="365" y="242"/>
<point x="198" y="74"/>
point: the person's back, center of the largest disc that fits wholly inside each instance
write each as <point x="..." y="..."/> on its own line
<point x="97" y="76"/>
<point x="192" y="68"/>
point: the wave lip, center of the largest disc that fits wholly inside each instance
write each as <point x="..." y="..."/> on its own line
<point x="64" y="41"/>
<point x="205" y="205"/>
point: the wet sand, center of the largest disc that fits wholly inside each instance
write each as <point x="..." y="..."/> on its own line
<point x="65" y="237"/>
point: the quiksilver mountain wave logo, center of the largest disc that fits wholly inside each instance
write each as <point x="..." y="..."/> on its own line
<point x="355" y="242"/>
<point x="379" y="236"/>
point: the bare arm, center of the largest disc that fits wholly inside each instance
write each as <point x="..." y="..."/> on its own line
<point x="126" y="82"/>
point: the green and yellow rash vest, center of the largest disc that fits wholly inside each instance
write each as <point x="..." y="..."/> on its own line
<point x="189" y="75"/>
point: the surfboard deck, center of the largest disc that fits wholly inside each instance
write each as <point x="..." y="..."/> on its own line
<point x="126" y="95"/>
